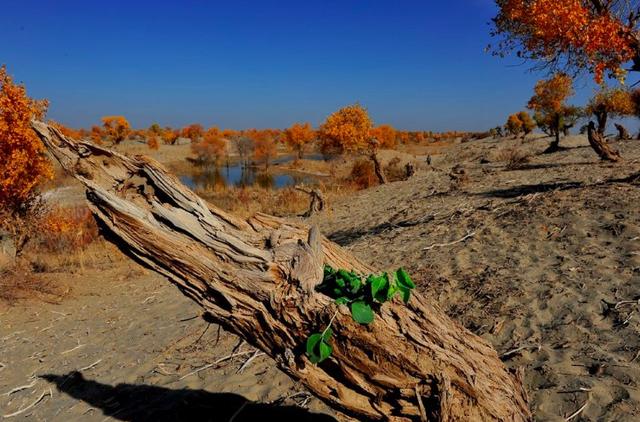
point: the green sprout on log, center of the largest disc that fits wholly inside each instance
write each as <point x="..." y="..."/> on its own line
<point x="362" y="296"/>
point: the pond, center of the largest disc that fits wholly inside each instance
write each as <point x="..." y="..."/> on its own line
<point x="238" y="175"/>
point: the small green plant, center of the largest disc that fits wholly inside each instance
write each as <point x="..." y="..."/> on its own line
<point x="363" y="296"/>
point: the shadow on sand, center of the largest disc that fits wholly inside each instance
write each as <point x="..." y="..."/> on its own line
<point x="130" y="402"/>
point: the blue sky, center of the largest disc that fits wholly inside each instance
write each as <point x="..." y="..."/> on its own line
<point x="418" y="65"/>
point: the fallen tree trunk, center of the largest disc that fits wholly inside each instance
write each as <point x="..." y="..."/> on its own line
<point x="256" y="279"/>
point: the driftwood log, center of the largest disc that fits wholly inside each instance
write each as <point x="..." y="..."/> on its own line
<point x="317" y="201"/>
<point x="256" y="279"/>
<point x="600" y="145"/>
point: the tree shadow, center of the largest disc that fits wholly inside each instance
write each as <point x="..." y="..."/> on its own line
<point x="521" y="190"/>
<point x="130" y="402"/>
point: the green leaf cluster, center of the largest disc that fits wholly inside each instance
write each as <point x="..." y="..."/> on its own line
<point x="364" y="296"/>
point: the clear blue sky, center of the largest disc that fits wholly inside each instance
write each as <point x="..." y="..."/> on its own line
<point x="418" y="65"/>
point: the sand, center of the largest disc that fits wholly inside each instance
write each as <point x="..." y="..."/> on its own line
<point x="549" y="251"/>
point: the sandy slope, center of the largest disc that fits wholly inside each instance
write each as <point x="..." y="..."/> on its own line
<point x="548" y="246"/>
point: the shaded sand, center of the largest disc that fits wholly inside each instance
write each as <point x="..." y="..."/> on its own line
<point x="550" y="249"/>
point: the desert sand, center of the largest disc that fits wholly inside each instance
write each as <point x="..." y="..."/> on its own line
<point x="542" y="260"/>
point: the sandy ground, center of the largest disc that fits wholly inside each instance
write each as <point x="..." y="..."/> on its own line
<point x="548" y="272"/>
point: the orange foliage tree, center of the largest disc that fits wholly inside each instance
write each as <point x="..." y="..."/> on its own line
<point x="610" y="103"/>
<point x="386" y="136"/>
<point x="527" y="123"/>
<point x="211" y="148"/>
<point x="153" y="142"/>
<point x="349" y="130"/>
<point x="194" y="132"/>
<point x="549" y="99"/>
<point x="298" y="137"/>
<point x="513" y="125"/>
<point x="264" y="145"/>
<point x="169" y="135"/>
<point x="116" y="128"/>
<point x="23" y="163"/>
<point x="597" y="35"/>
<point x="96" y="135"/>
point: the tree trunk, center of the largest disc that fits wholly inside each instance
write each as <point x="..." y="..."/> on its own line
<point x="317" y="201"/>
<point x="600" y="145"/>
<point x="602" y="117"/>
<point x="555" y="145"/>
<point x="623" y="134"/>
<point x="256" y="279"/>
<point x="377" y="167"/>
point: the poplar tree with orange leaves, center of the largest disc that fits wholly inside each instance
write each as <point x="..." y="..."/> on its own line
<point x="549" y="98"/>
<point x="23" y="162"/>
<point x="349" y="130"/>
<point x="264" y="145"/>
<point x="116" y="128"/>
<point x="599" y="36"/>
<point x="386" y="136"/>
<point x="612" y="103"/>
<point x="298" y="137"/>
<point x="211" y="148"/>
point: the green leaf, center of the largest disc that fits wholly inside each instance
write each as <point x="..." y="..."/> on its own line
<point x="379" y="287"/>
<point x="317" y="347"/>
<point x="325" y="351"/>
<point x="328" y="271"/>
<point x="313" y="351"/>
<point x="352" y="280"/>
<point x="326" y="335"/>
<point x="406" y="294"/>
<point x="393" y="289"/>
<point x="342" y="300"/>
<point x="361" y="312"/>
<point x="404" y="280"/>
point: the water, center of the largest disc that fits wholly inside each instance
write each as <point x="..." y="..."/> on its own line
<point x="237" y="175"/>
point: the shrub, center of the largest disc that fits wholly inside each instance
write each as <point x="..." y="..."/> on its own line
<point x="116" y="128"/>
<point x="153" y="142"/>
<point x="394" y="170"/>
<point x="65" y="230"/>
<point x="363" y="174"/>
<point x="513" y="158"/>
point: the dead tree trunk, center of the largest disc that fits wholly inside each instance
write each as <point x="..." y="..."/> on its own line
<point x="623" y="134"/>
<point x="600" y="145"/>
<point x="409" y="170"/>
<point x="256" y="278"/>
<point x="377" y="167"/>
<point x="317" y="201"/>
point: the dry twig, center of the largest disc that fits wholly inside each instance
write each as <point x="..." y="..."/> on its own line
<point x="38" y="400"/>
<point x="441" y="245"/>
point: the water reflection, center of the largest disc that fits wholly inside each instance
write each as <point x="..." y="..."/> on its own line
<point x="217" y="178"/>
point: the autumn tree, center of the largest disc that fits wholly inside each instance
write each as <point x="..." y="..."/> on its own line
<point x="348" y="130"/>
<point x="153" y="142"/>
<point x="610" y="103"/>
<point x="599" y="36"/>
<point x="116" y="128"/>
<point x="194" y="132"/>
<point x="298" y="137"/>
<point x="97" y="134"/>
<point x="513" y="125"/>
<point x="549" y="99"/>
<point x="23" y="163"/>
<point x="211" y="148"/>
<point x="386" y="136"/>
<point x="264" y="145"/>
<point x="527" y="123"/>
<point x="170" y="136"/>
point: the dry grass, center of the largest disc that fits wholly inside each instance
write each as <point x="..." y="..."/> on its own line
<point x="17" y="283"/>
<point x="513" y="158"/>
